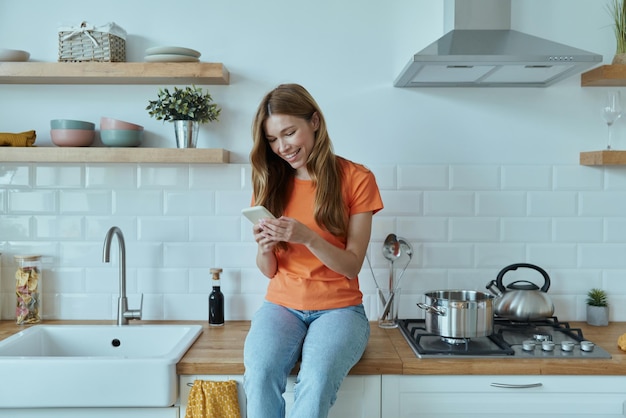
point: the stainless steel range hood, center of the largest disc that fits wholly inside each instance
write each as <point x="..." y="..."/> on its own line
<point x="482" y="51"/>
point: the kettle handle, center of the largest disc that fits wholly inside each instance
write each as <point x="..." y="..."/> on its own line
<point x="546" y="278"/>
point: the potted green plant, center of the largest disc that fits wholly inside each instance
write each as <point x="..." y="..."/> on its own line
<point x="597" y="307"/>
<point x="187" y="108"/>
<point x="618" y="11"/>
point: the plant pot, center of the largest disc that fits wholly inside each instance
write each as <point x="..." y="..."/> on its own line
<point x="186" y="133"/>
<point x="598" y="315"/>
<point x="619" y="59"/>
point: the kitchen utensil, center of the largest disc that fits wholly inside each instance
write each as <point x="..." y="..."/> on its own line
<point x="378" y="290"/>
<point x="405" y="248"/>
<point x="521" y="300"/>
<point x="391" y="251"/>
<point x="458" y="313"/>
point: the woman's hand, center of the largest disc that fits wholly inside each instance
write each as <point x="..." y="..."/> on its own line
<point x="285" y="229"/>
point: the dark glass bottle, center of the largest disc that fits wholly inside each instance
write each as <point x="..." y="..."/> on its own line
<point x="216" y="300"/>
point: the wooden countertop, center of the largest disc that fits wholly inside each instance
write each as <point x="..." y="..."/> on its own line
<point x="219" y="350"/>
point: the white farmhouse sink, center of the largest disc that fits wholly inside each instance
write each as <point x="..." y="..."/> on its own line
<point x="93" y="365"/>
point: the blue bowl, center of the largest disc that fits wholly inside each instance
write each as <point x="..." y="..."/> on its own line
<point x="121" y="137"/>
<point x="71" y="124"/>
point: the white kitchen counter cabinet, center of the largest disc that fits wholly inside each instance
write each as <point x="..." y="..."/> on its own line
<point x="358" y="397"/>
<point x="91" y="413"/>
<point x="474" y="396"/>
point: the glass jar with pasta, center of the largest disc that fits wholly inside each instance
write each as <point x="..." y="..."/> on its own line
<point x="28" y="308"/>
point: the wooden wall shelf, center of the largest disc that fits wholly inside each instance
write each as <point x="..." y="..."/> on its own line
<point x="604" y="76"/>
<point x="113" y="73"/>
<point x="113" y="155"/>
<point x="604" y="157"/>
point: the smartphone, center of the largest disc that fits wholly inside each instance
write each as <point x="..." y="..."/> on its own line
<point x="256" y="213"/>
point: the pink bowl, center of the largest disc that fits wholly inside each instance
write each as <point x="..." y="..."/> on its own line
<point x="110" y="123"/>
<point x="72" y="137"/>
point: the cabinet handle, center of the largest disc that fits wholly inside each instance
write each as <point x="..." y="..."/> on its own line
<point x="511" y="386"/>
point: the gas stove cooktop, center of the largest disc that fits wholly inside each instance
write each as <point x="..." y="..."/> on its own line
<point x="545" y="339"/>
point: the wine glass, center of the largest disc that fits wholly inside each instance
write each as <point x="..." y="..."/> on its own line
<point x="611" y="111"/>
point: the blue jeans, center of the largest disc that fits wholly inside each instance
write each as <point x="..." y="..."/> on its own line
<point x="327" y="342"/>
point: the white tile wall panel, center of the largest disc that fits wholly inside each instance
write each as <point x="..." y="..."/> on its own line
<point x="453" y="203"/>
<point x="253" y="281"/>
<point x="163" y="229"/>
<point x="84" y="253"/>
<point x="573" y="281"/>
<point x="3" y="201"/>
<point x="111" y="176"/>
<point x="16" y="228"/>
<point x="126" y="202"/>
<point x="188" y="306"/>
<point x="617" y="307"/>
<point x="235" y="255"/>
<point x="152" y="309"/>
<point x="526" y="230"/>
<point x="498" y="255"/>
<point x="188" y="254"/>
<point x="614" y="229"/>
<point x="552" y="203"/>
<point x="240" y="307"/>
<point x="578" y="178"/>
<point x="216" y="177"/>
<point x="420" y="280"/>
<point x="501" y="203"/>
<point x="472" y="279"/>
<point x="578" y="230"/>
<point x="386" y="175"/>
<point x="145" y="254"/>
<point x="62" y="176"/>
<point x="35" y="201"/>
<point x="96" y="227"/>
<point x="612" y="281"/>
<point x="423" y="177"/>
<point x="231" y="202"/>
<point x="401" y="203"/>
<point x="526" y="177"/>
<point x="614" y="177"/>
<point x="566" y="307"/>
<point x="80" y="306"/>
<point x="87" y="202"/>
<point x="189" y="202"/>
<point x="64" y="280"/>
<point x="470" y="177"/>
<point x="553" y="255"/>
<point x="603" y="204"/>
<point x="383" y="225"/>
<point x="14" y="175"/>
<point x="423" y="229"/>
<point x="216" y="228"/>
<point x="158" y="281"/>
<point x="474" y="229"/>
<point x="164" y="177"/>
<point x="447" y="255"/>
<point x="58" y="227"/>
<point x="104" y="278"/>
<point x="606" y="256"/>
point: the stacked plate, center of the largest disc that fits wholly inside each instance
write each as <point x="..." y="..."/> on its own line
<point x="171" y="54"/>
<point x="15" y="55"/>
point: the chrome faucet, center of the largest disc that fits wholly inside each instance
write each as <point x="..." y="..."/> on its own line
<point x="123" y="313"/>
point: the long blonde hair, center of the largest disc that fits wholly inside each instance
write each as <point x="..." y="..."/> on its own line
<point x="272" y="177"/>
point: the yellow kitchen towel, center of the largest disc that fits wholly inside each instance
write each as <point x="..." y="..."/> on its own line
<point x="24" y="139"/>
<point x="213" y="399"/>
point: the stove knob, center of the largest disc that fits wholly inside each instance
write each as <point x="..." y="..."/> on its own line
<point x="542" y="337"/>
<point x="567" y="346"/>
<point x="547" y="346"/>
<point x="528" y="345"/>
<point x="587" y="346"/>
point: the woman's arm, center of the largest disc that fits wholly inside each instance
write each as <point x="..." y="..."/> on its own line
<point x="346" y="261"/>
<point x="265" y="258"/>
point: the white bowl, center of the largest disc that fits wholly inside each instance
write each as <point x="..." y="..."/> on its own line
<point x="13" y="55"/>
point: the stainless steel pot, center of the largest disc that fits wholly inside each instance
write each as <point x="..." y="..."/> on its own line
<point x="458" y="313"/>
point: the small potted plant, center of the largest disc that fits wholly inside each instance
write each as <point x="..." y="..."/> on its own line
<point x="597" y="307"/>
<point x="187" y="108"/>
<point x="618" y="11"/>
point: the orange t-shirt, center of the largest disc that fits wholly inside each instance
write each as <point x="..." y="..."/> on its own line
<point x="302" y="281"/>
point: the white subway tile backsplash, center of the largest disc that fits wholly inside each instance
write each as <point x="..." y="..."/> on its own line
<point x="87" y="202"/>
<point x="577" y="178"/>
<point x="14" y="175"/>
<point x="474" y="177"/>
<point x="465" y="223"/>
<point x="552" y="203"/>
<point x="526" y="177"/>
<point x="423" y="177"/>
<point x="35" y="201"/>
<point x="57" y="176"/>
<point x="474" y="229"/>
<point x="453" y="203"/>
<point x="501" y="203"/>
<point x="526" y="230"/>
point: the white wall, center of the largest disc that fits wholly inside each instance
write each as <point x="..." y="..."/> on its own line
<point x="476" y="179"/>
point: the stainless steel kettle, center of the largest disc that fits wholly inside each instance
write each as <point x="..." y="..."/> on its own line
<point x="521" y="300"/>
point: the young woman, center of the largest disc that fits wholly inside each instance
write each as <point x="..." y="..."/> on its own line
<point x="312" y="253"/>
